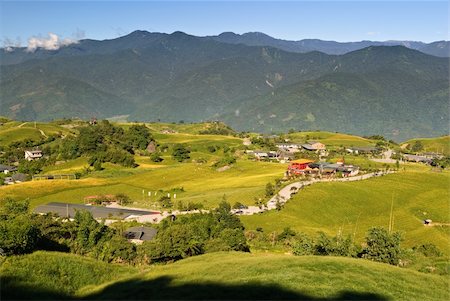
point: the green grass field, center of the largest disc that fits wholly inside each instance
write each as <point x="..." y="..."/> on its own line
<point x="353" y="207"/>
<point x="53" y="275"/>
<point x="332" y="139"/>
<point x="219" y="276"/>
<point x="201" y="183"/>
<point x="437" y="145"/>
<point x="16" y="131"/>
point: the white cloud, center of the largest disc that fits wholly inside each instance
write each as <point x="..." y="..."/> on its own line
<point x="10" y="44"/>
<point x="53" y="41"/>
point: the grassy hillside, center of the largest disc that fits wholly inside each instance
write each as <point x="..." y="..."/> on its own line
<point x="221" y="276"/>
<point x="16" y="131"/>
<point x="53" y="275"/>
<point x="354" y="207"/>
<point x="201" y="183"/>
<point x="437" y="145"/>
<point x="332" y="139"/>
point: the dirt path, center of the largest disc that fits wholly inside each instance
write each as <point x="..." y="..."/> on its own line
<point x="42" y="133"/>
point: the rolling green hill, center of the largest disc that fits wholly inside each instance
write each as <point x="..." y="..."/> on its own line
<point x="218" y="276"/>
<point x="13" y="131"/>
<point x="375" y="90"/>
<point x="436" y="145"/>
<point x="352" y="208"/>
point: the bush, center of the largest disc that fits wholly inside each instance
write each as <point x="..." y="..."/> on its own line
<point x="428" y="250"/>
<point x="156" y="157"/>
<point x="382" y="246"/>
<point x="303" y="245"/>
<point x="180" y="153"/>
<point x="165" y="201"/>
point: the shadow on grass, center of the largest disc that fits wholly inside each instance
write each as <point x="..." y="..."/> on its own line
<point x="162" y="289"/>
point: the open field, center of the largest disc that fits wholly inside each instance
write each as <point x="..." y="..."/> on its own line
<point x="352" y="208"/>
<point x="437" y="145"/>
<point x="241" y="276"/>
<point x="201" y="183"/>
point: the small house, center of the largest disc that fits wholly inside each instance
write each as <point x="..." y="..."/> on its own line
<point x="415" y="158"/>
<point x="362" y="150"/>
<point x="140" y="234"/>
<point x="16" y="178"/>
<point x="299" y="166"/>
<point x="259" y="155"/>
<point x="31" y="155"/>
<point x="7" y="169"/>
<point x="290" y="147"/>
<point x="314" y="146"/>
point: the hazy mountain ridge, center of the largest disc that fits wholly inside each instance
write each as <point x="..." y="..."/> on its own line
<point x="438" y="48"/>
<point x="183" y="77"/>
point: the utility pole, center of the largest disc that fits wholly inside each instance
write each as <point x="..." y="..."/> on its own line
<point x="391" y="216"/>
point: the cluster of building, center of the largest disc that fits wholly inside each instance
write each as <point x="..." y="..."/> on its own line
<point x="321" y="169"/>
<point x="17" y="177"/>
<point x="286" y="151"/>
<point x="422" y="158"/>
<point x="135" y="235"/>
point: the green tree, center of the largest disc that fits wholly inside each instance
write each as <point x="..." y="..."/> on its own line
<point x="138" y="136"/>
<point x="18" y="235"/>
<point x="303" y="245"/>
<point x="417" y="146"/>
<point x="270" y="190"/>
<point x="122" y="198"/>
<point x="180" y="153"/>
<point x="382" y="246"/>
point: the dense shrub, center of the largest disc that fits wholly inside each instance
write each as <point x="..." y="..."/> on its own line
<point x="382" y="246"/>
<point x="180" y="153"/>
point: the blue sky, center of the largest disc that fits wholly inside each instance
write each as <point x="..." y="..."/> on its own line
<point x="293" y="20"/>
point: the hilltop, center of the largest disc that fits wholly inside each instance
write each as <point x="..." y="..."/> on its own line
<point x="436" y="145"/>
<point x="149" y="76"/>
<point x="219" y="276"/>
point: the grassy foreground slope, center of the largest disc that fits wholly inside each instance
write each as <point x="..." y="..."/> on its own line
<point x="221" y="276"/>
<point x="54" y="275"/>
<point x="353" y="207"/>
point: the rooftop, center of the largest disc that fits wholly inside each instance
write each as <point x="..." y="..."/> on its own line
<point x="64" y="209"/>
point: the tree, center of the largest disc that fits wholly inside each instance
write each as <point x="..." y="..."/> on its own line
<point x="180" y="153"/>
<point x="165" y="201"/>
<point x="270" y="190"/>
<point x="122" y="198"/>
<point x="417" y="146"/>
<point x="13" y="207"/>
<point x="303" y="245"/>
<point x="138" y="136"/>
<point x="382" y="246"/>
<point x="156" y="157"/>
<point x="89" y="234"/>
<point x="18" y="235"/>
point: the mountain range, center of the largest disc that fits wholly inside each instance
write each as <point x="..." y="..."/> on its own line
<point x="251" y="81"/>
